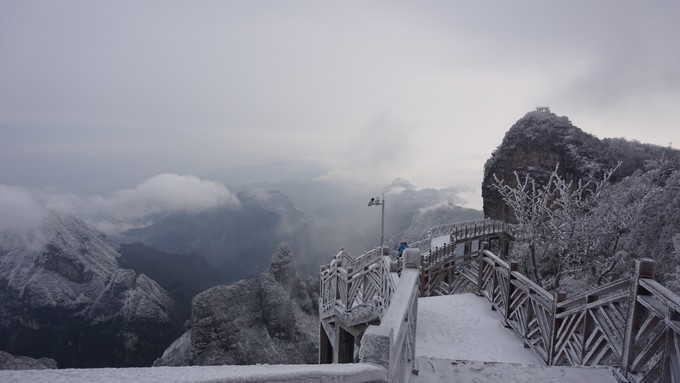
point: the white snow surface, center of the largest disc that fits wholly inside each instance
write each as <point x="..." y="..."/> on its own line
<point x="460" y="339"/>
<point x="444" y="370"/>
<point x="463" y="327"/>
<point x="204" y="374"/>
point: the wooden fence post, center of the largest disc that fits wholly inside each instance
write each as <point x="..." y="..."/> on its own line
<point x="644" y="268"/>
<point x="556" y="323"/>
<point x="588" y="326"/>
<point x="480" y="267"/>
<point x="510" y="289"/>
<point x="670" y="367"/>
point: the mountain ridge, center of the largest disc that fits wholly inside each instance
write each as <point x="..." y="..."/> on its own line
<point x="540" y="140"/>
<point x="65" y="296"/>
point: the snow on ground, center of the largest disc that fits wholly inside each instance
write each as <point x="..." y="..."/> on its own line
<point x="442" y="370"/>
<point x="203" y="374"/>
<point x="460" y="339"/>
<point x="463" y="327"/>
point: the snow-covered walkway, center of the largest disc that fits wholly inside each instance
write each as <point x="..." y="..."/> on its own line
<point x="463" y="327"/>
<point x="465" y="371"/>
<point x="460" y="339"/>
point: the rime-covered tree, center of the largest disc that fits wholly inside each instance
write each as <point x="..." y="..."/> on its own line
<point x="561" y="229"/>
<point x="589" y="233"/>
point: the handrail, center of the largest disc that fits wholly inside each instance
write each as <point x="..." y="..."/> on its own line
<point x="592" y="328"/>
<point x="355" y="290"/>
<point x="602" y="291"/>
<point x="651" y="349"/>
<point x="392" y="343"/>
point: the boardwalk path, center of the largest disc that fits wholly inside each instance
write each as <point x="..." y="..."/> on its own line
<point x="459" y="339"/>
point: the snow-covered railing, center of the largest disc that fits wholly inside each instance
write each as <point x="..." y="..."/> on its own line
<point x="476" y="229"/>
<point x="526" y="307"/>
<point x="392" y="343"/>
<point x="355" y="290"/>
<point x="632" y="323"/>
<point x="651" y="347"/>
<point x="444" y="272"/>
<point x="590" y="326"/>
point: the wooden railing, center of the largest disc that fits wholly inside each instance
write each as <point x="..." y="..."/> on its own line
<point x="592" y="326"/>
<point x="475" y="229"/>
<point x="392" y="344"/>
<point x="526" y="307"/>
<point x="355" y="290"/>
<point x="651" y="348"/>
<point x="632" y="324"/>
<point x="444" y="272"/>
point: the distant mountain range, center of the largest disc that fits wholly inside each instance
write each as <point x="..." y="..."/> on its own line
<point x="237" y="240"/>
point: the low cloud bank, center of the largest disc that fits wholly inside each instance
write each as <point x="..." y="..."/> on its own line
<point x="22" y="208"/>
<point x="18" y="209"/>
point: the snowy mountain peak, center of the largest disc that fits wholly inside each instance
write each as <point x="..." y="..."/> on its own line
<point x="64" y="274"/>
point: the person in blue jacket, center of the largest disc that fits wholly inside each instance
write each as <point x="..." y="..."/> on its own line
<point x="402" y="247"/>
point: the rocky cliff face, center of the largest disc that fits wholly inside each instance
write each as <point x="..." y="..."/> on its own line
<point x="63" y="295"/>
<point x="269" y="319"/>
<point x="540" y="140"/>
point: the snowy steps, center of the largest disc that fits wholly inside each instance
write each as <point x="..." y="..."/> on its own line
<point x="467" y="371"/>
<point x="460" y="339"/>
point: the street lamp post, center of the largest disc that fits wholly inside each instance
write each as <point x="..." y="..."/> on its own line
<point x="378" y="202"/>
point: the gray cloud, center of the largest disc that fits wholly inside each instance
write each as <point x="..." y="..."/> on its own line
<point x="18" y="209"/>
<point x="95" y="96"/>
<point x="22" y="208"/>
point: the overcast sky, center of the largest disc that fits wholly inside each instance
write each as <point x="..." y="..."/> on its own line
<point x="97" y="96"/>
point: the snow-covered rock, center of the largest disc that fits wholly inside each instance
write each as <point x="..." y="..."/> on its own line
<point x="540" y="140"/>
<point x="13" y="362"/>
<point x="270" y="319"/>
<point x="64" y="295"/>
